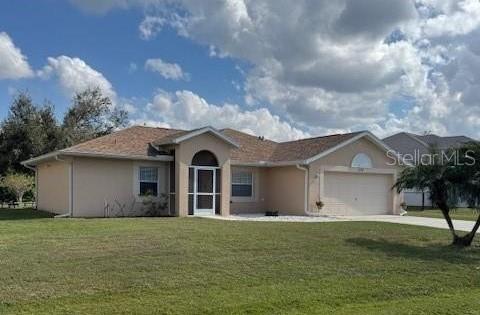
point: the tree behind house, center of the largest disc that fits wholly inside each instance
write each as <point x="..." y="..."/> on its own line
<point x="91" y="115"/>
<point x="18" y="184"/>
<point x="28" y="130"/>
<point x="31" y="130"/>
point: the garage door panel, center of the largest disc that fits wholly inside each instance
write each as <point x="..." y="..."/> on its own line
<point x="357" y="194"/>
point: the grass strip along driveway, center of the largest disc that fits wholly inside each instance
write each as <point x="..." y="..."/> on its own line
<point x="192" y="266"/>
<point x="456" y="214"/>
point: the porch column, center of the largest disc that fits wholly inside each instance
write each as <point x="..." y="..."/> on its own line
<point x="181" y="185"/>
<point x="225" y="189"/>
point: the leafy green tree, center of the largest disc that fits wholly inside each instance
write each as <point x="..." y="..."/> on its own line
<point x="52" y="134"/>
<point x="18" y="184"/>
<point x="91" y="115"/>
<point x="28" y="131"/>
<point x="450" y="177"/>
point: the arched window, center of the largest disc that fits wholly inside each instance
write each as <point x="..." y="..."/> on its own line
<point x="204" y="158"/>
<point x="361" y="160"/>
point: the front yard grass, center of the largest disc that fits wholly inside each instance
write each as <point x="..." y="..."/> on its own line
<point x="194" y="266"/>
<point x="456" y="214"/>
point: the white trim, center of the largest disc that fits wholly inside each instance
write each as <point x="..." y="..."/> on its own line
<point x="162" y="158"/>
<point x="162" y="178"/>
<point x="198" y="132"/>
<point x="312" y="159"/>
<point x="362" y="154"/>
<point x="345" y="169"/>
<point x="157" y="181"/>
<point x="267" y="164"/>
<point x="203" y="211"/>
<point x="357" y="170"/>
<point x="367" y="134"/>
<point x="240" y="199"/>
<point x="40" y="158"/>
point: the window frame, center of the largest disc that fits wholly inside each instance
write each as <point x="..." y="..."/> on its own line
<point x="362" y="154"/>
<point x="140" y="167"/>
<point x="252" y="185"/>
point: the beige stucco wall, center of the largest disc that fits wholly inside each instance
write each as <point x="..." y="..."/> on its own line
<point x="258" y="202"/>
<point x="184" y="153"/>
<point x="53" y="187"/>
<point x="343" y="158"/>
<point x="98" y="182"/>
<point x="275" y="188"/>
<point x="286" y="190"/>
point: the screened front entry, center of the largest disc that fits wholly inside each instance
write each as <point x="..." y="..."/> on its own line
<point x="204" y="185"/>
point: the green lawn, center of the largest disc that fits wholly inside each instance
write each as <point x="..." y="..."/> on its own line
<point x="458" y="214"/>
<point x="193" y="266"/>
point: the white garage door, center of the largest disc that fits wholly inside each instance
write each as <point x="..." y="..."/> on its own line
<point x="357" y="194"/>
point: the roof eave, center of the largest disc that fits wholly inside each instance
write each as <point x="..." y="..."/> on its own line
<point x="36" y="160"/>
<point x="342" y="144"/>
<point x="267" y="163"/>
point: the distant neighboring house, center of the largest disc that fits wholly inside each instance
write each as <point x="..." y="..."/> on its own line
<point x="414" y="145"/>
<point x="208" y="171"/>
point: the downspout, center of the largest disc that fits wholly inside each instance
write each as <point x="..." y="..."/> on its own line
<point x="70" y="189"/>
<point x="305" y="201"/>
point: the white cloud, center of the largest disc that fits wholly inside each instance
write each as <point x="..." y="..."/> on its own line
<point x="129" y="108"/>
<point x="326" y="66"/>
<point x="13" y="64"/>
<point x="185" y="109"/>
<point x="167" y="70"/>
<point x="150" y="26"/>
<point x="340" y="65"/>
<point x="452" y="18"/>
<point x="149" y="123"/>
<point x="74" y="75"/>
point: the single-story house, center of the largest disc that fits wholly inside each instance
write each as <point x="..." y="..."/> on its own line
<point x="412" y="147"/>
<point x="208" y="171"/>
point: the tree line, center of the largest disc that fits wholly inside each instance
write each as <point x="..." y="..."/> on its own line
<point x="31" y="130"/>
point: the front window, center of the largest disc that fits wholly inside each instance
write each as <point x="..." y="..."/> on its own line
<point x="148" y="179"/>
<point x="242" y="184"/>
<point x="361" y="160"/>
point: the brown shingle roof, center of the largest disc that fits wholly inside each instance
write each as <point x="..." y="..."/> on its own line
<point x="307" y="148"/>
<point x="169" y="138"/>
<point x="135" y="141"/>
<point x="130" y="141"/>
<point x="252" y="149"/>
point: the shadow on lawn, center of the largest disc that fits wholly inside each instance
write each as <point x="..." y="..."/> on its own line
<point x="432" y="252"/>
<point x="23" y="214"/>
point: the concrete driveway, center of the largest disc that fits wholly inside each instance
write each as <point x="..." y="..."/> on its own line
<point x="460" y="225"/>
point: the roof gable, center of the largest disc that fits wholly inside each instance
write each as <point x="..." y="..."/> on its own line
<point x="257" y="151"/>
<point x="186" y="135"/>
<point x="408" y="143"/>
<point x="356" y="136"/>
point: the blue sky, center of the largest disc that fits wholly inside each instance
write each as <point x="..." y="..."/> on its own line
<point x="282" y="69"/>
<point x="108" y="43"/>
